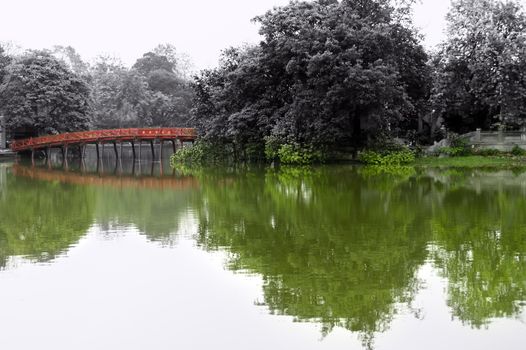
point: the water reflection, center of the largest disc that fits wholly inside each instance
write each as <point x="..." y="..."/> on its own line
<point x="343" y="246"/>
<point x="339" y="246"/>
<point x="40" y="220"/>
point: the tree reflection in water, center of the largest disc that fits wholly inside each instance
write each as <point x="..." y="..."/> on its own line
<point x="337" y="245"/>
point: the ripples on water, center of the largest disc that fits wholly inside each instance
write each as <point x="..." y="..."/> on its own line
<point x="138" y="255"/>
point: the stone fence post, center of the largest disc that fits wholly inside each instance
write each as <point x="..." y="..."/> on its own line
<point x="2" y="133"/>
<point x="478" y="136"/>
<point x="500" y="135"/>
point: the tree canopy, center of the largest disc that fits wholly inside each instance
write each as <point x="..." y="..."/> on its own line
<point x="480" y="79"/>
<point x="41" y="94"/>
<point x="326" y="73"/>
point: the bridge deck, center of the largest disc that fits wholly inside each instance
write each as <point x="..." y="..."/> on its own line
<point x="102" y="136"/>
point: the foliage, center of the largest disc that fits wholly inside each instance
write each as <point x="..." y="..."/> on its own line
<point x="479" y="68"/>
<point x="487" y="152"/>
<point x="405" y="156"/>
<point x="43" y="95"/>
<point x="294" y="154"/>
<point x="5" y="60"/>
<point x="327" y="74"/>
<point x="150" y="94"/>
<point x="195" y="154"/>
<point x="459" y="147"/>
<point x="518" y="151"/>
<point x="201" y="152"/>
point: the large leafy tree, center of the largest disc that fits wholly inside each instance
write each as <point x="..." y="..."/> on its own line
<point x="327" y="73"/>
<point x="479" y="78"/>
<point x="42" y="95"/>
<point x="119" y="95"/>
<point x="151" y="93"/>
<point x="171" y="96"/>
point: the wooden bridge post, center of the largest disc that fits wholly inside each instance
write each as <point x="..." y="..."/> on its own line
<point x="133" y="149"/>
<point x="115" y="149"/>
<point x="161" y="150"/>
<point x="140" y="150"/>
<point x="153" y="150"/>
<point x="98" y="150"/>
<point x="82" y="150"/>
<point x="48" y="157"/>
<point x="174" y="146"/>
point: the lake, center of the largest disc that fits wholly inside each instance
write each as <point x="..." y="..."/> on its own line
<point x="139" y="256"/>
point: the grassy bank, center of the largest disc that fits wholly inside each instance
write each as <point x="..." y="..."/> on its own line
<point x="471" y="161"/>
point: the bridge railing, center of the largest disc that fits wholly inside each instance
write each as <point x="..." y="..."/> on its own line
<point x="104" y="135"/>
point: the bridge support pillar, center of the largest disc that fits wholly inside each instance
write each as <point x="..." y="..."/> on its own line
<point x="115" y="149"/>
<point x="161" y="150"/>
<point x="133" y="149"/>
<point x="174" y="146"/>
<point x="140" y="150"/>
<point x="97" y="145"/>
<point x="153" y="149"/>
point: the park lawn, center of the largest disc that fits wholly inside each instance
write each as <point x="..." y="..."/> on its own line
<point x="471" y="161"/>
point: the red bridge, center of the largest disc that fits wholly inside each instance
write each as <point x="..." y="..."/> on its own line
<point x="98" y="137"/>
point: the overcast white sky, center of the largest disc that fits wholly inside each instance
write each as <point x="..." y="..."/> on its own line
<point x="129" y="28"/>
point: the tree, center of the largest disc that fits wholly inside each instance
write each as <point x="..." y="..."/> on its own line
<point x="71" y="58"/>
<point x="118" y="95"/>
<point x="150" y="94"/>
<point x="152" y="62"/>
<point x="327" y="74"/>
<point x="170" y="95"/>
<point x="181" y="61"/>
<point x="5" y="60"/>
<point x="479" y="71"/>
<point x="43" y="96"/>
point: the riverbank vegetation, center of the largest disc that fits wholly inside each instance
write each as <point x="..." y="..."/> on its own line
<point x="329" y="78"/>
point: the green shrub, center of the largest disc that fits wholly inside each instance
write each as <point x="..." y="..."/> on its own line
<point x="194" y="154"/>
<point x="294" y="154"/>
<point x="459" y="148"/>
<point x="488" y="152"/>
<point x="272" y="145"/>
<point x="404" y="156"/>
<point x="517" y="151"/>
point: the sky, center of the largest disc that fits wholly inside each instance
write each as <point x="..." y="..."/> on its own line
<point x="129" y="28"/>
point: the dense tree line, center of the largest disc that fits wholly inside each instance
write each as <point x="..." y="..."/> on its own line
<point x="53" y="91"/>
<point x="327" y="75"/>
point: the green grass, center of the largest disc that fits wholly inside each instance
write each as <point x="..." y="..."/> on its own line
<point x="472" y="162"/>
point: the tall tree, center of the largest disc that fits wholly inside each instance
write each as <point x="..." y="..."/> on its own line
<point x="327" y="73"/>
<point x="42" y="95"/>
<point x="118" y="95"/>
<point x="480" y="69"/>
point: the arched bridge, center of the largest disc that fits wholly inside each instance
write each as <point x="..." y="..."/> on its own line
<point x="98" y="137"/>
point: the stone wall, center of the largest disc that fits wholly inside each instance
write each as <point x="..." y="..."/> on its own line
<point x="500" y="140"/>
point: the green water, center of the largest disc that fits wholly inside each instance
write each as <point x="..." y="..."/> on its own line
<point x="334" y="257"/>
